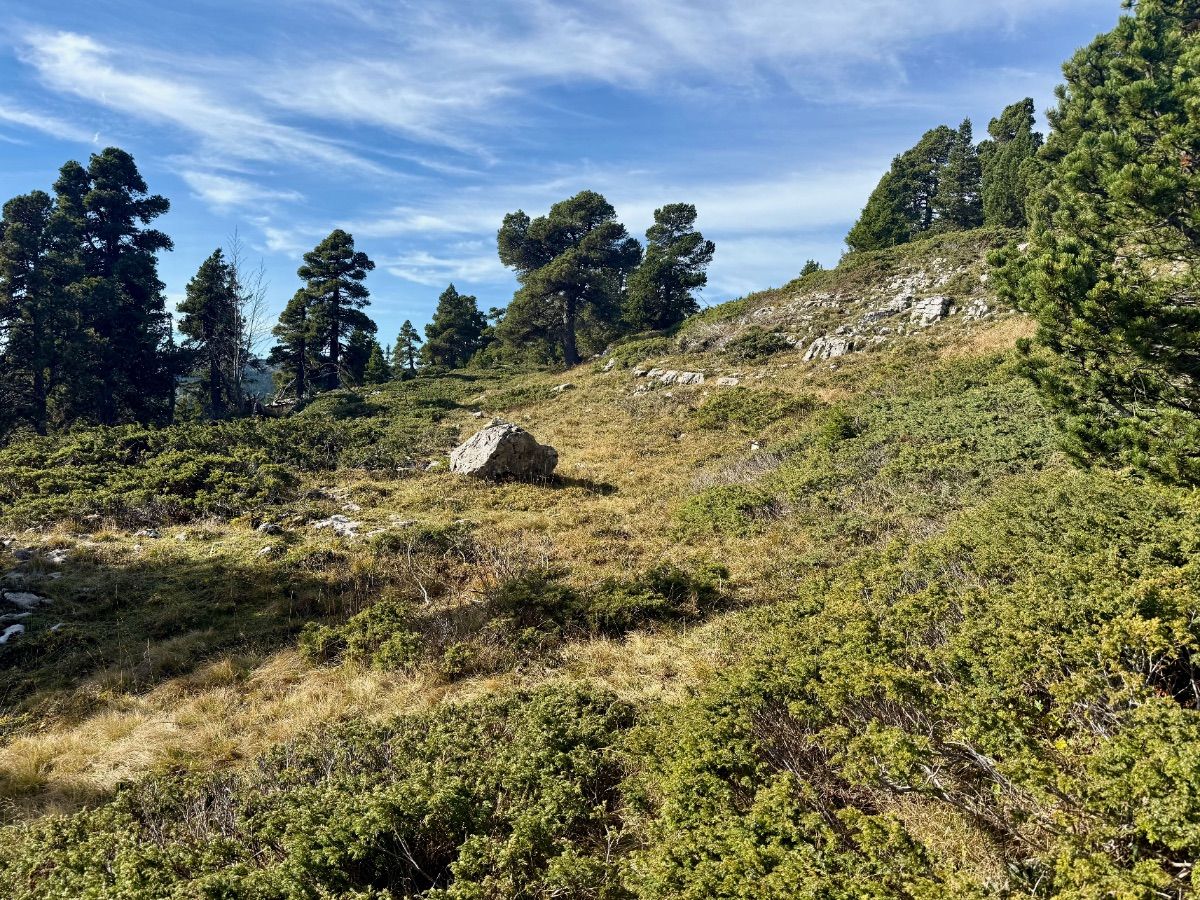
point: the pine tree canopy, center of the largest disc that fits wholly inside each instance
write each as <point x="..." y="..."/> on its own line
<point x="210" y="321"/>
<point x="1114" y="246"/>
<point x="1009" y="165"/>
<point x="677" y="257"/>
<point x="572" y="265"/>
<point x="453" y="335"/>
<point x="333" y="273"/>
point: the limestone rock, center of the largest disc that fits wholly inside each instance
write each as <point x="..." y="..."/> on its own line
<point x="567" y="386"/>
<point x="269" y="528"/>
<point x="610" y="365"/>
<point x="24" y="599"/>
<point x="58" y="557"/>
<point x="689" y="378"/>
<point x="728" y="381"/>
<point x="930" y="310"/>
<point x="339" y="525"/>
<point x="829" y="348"/>
<point x="503" y="450"/>
<point x="11" y="632"/>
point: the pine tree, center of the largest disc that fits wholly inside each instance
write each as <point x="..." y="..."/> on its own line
<point x="677" y="257"/>
<point x="210" y="320"/>
<point x="909" y="198"/>
<point x="333" y="273"/>
<point x="377" y="370"/>
<point x="35" y="317"/>
<point x="572" y="265"/>
<point x="958" y="204"/>
<point x="355" y="357"/>
<point x="122" y="370"/>
<point x="405" y="354"/>
<point x="295" y="353"/>
<point x="1114" y="247"/>
<point x="452" y="336"/>
<point x="1009" y="165"/>
<point x="810" y="268"/>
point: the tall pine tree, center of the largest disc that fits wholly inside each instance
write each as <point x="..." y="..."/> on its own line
<point x="1114" y="247"/>
<point x="295" y="353"/>
<point x="452" y="336"/>
<point x="958" y="204"/>
<point x="35" y="316"/>
<point x="333" y="273"/>
<point x="572" y="265"/>
<point x="677" y="257"/>
<point x="211" y="323"/>
<point x="405" y="354"/>
<point x="377" y="370"/>
<point x="1009" y="165"/>
<point x="124" y="370"/>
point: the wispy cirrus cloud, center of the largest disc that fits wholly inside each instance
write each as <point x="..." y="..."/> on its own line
<point x="81" y="66"/>
<point x="15" y="114"/>
<point x="225" y="192"/>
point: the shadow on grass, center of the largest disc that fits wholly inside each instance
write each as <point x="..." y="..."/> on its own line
<point x="128" y="626"/>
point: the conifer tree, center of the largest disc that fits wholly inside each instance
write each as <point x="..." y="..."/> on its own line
<point x="333" y="273"/>
<point x="958" y="203"/>
<point x="211" y="322"/>
<point x="405" y="354"/>
<point x="810" y="268"/>
<point x="452" y="336"/>
<point x="35" y="318"/>
<point x="355" y="357"/>
<point x="1009" y="165"/>
<point x="295" y="352"/>
<point x="1114" y="247"/>
<point x="123" y="369"/>
<point x="377" y="370"/>
<point x="572" y="265"/>
<point x="677" y="257"/>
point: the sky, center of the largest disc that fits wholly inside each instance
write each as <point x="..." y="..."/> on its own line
<point x="417" y="124"/>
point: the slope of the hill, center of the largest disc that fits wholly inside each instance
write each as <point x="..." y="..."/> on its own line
<point x="835" y="620"/>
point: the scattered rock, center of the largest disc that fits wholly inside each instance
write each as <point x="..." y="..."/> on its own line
<point x="978" y="309"/>
<point x="22" y="554"/>
<point x="267" y="551"/>
<point x="340" y="525"/>
<point x="148" y="533"/>
<point x="351" y="507"/>
<point x="11" y="632"/>
<point x="25" y="600"/>
<point x="269" y="528"/>
<point x="58" y="557"/>
<point x="562" y="387"/>
<point x="930" y="310"/>
<point x="477" y="414"/>
<point x="503" y="450"/>
<point x="640" y="373"/>
<point x="609" y="366"/>
<point x="728" y="381"/>
<point x="829" y="348"/>
<point x="690" y="378"/>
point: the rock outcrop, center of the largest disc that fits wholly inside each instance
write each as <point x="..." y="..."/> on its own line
<point x="503" y="450"/>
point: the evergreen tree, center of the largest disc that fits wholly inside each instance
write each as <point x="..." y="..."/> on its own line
<point x="355" y="357"/>
<point x="211" y="322"/>
<point x="572" y="265"/>
<point x="452" y="336"/>
<point x="660" y="290"/>
<point x="123" y="368"/>
<point x="295" y="353"/>
<point x="1114" y="246"/>
<point x="958" y="203"/>
<point x="377" y="370"/>
<point x="1009" y="165"/>
<point x="34" y="316"/>
<point x="405" y="354"/>
<point x="906" y="202"/>
<point x="810" y="268"/>
<point x="333" y="273"/>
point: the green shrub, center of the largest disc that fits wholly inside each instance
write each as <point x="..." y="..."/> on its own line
<point x="726" y="509"/>
<point x="757" y="343"/>
<point x="516" y="796"/>
<point x="750" y="409"/>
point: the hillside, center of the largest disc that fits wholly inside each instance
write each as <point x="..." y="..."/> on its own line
<point x="835" y="620"/>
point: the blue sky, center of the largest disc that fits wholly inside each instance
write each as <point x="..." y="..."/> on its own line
<point x="418" y="125"/>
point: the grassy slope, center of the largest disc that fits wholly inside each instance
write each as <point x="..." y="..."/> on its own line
<point x="180" y="651"/>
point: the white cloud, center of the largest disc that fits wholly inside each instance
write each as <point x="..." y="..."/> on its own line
<point x="225" y="192"/>
<point x="27" y="118"/>
<point x="76" y="64"/>
<point x="472" y="264"/>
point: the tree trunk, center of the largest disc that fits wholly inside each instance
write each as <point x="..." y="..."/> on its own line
<point x="570" y="352"/>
